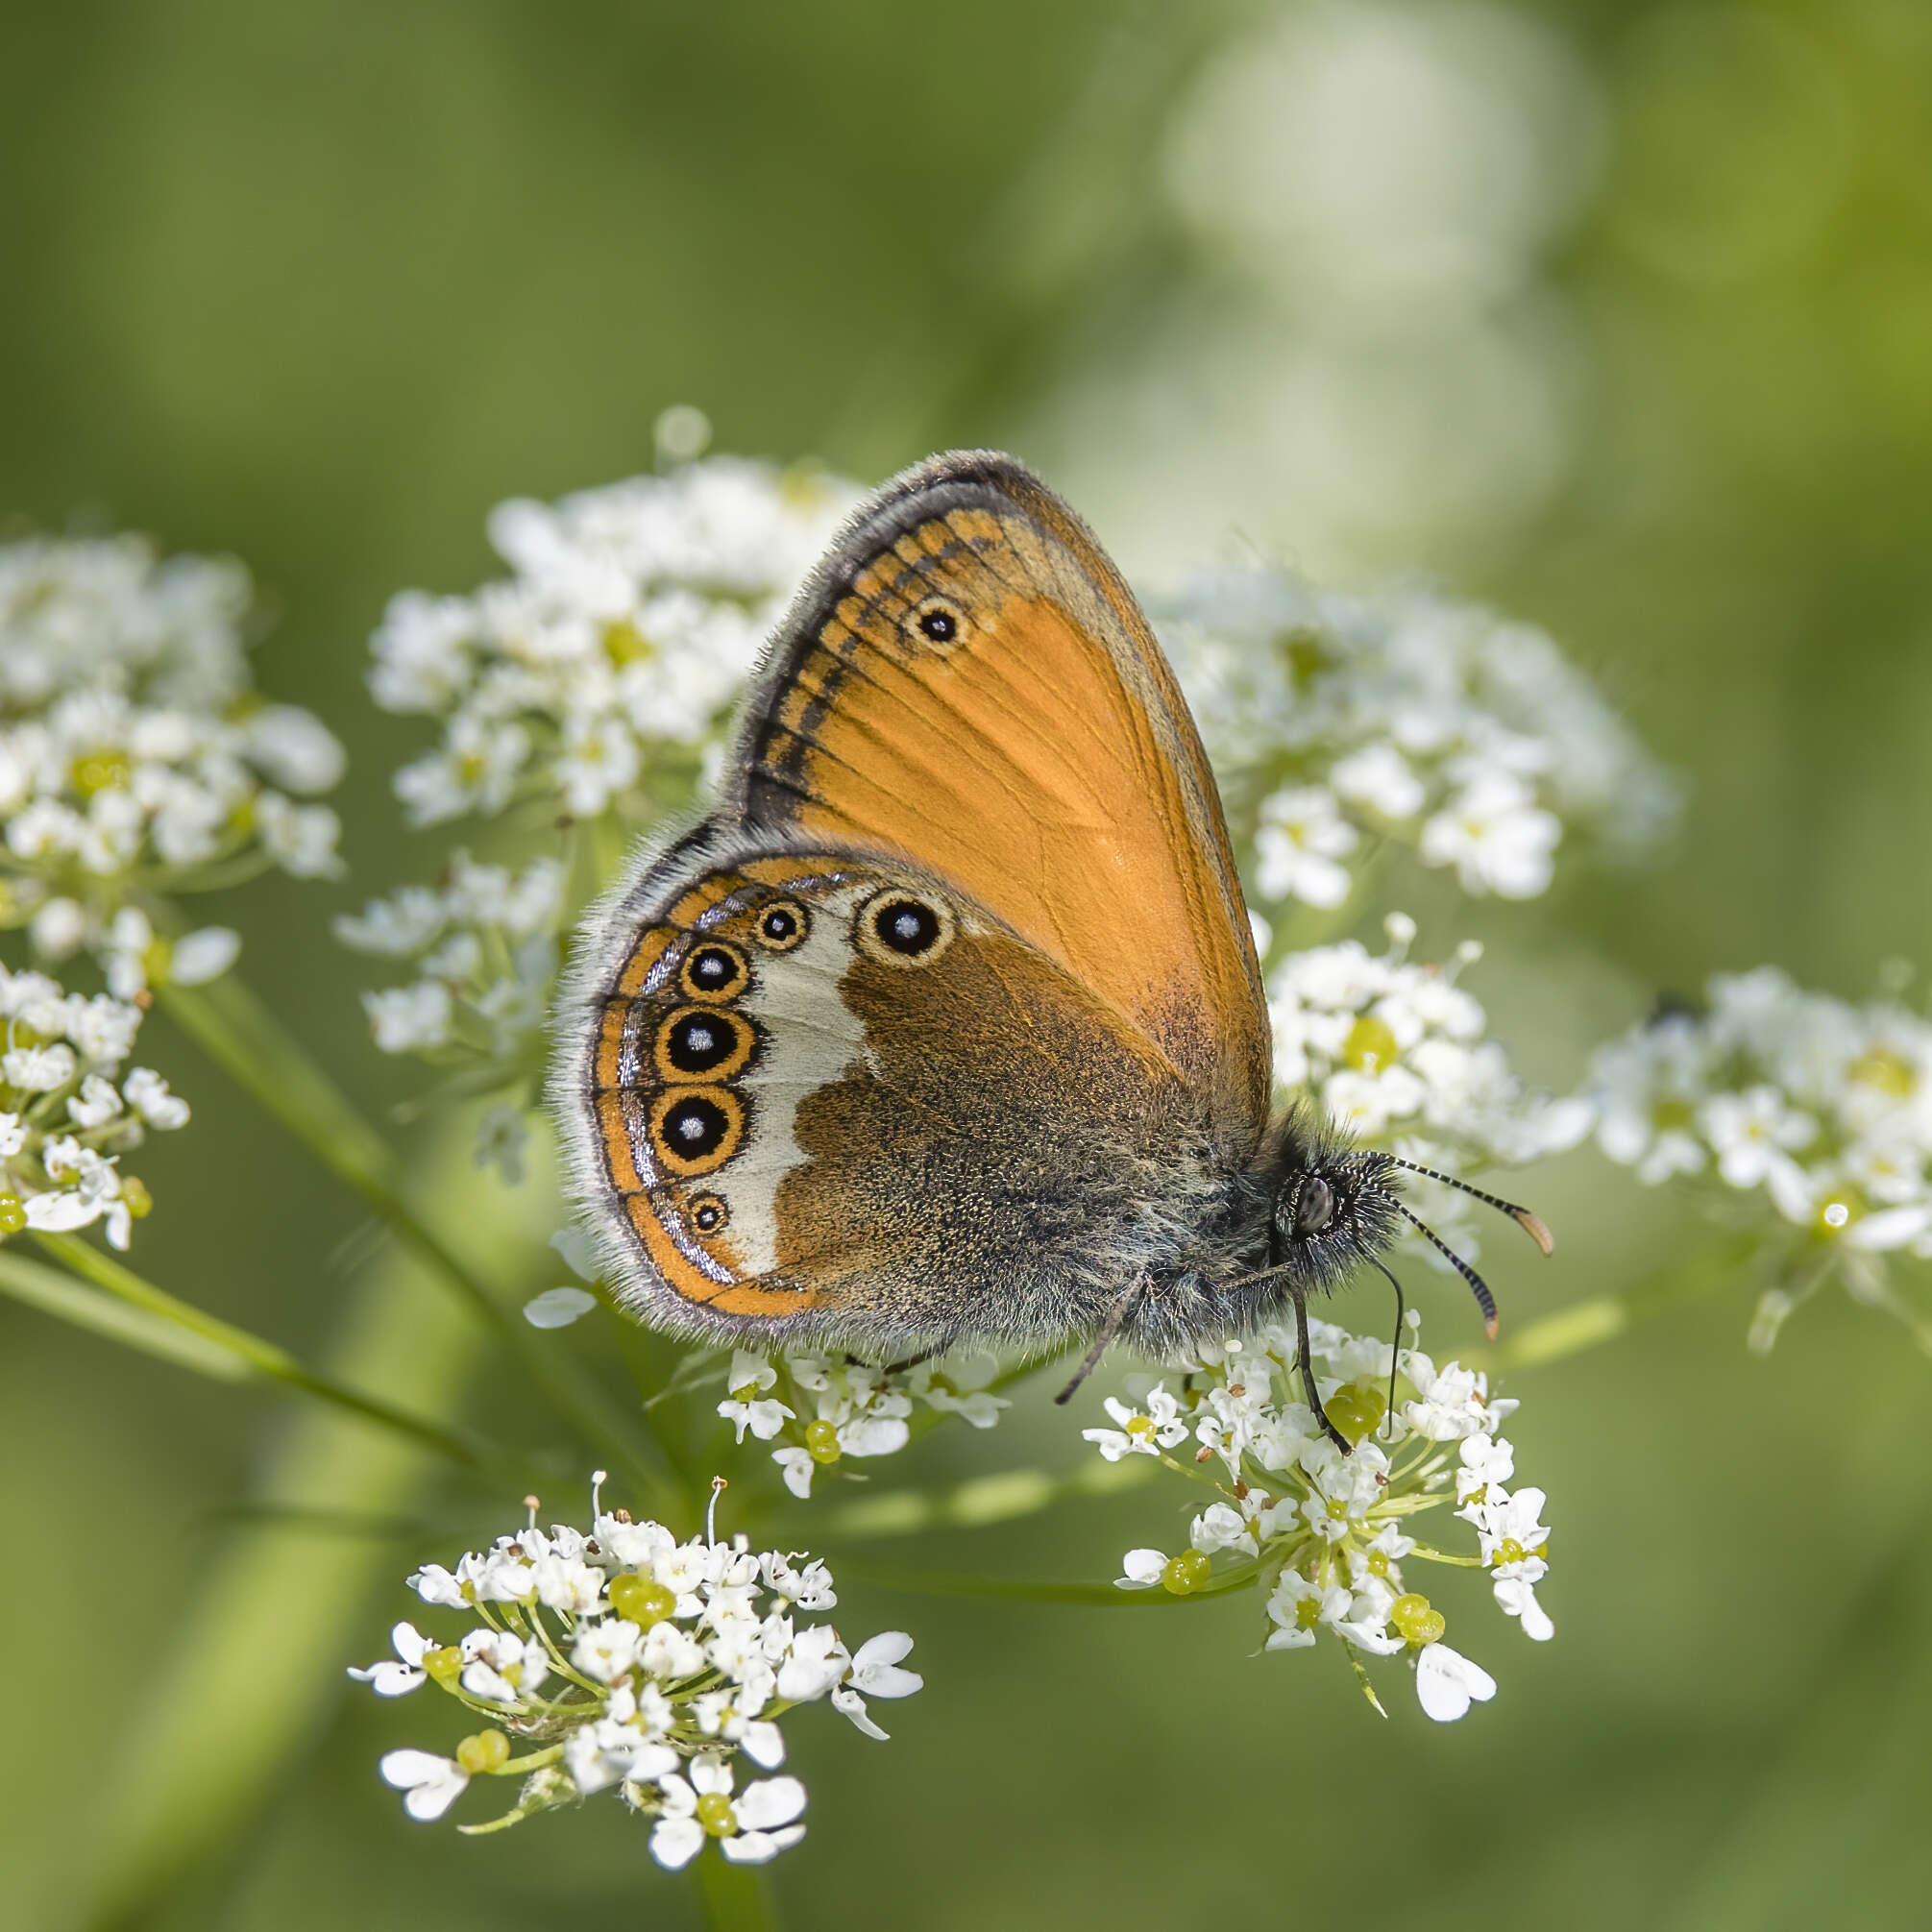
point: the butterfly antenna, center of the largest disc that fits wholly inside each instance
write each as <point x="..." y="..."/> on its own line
<point x="1117" y="1318"/>
<point x="1394" y="1347"/>
<point x="1530" y="1224"/>
<point x="1479" y="1288"/>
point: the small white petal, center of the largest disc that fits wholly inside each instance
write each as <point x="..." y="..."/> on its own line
<point x="557" y="1307"/>
<point x="764" y="1743"/>
<point x="759" y="1847"/>
<point x="674" y="1841"/>
<point x="1447" y="1683"/>
<point x="199" y="957"/>
<point x="770" y="1803"/>
<point x="849" y="1703"/>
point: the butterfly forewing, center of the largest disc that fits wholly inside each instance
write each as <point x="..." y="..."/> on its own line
<point x="969" y="681"/>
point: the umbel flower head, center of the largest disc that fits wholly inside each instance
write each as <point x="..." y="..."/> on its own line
<point x="67" y="1113"/>
<point x="484" y="946"/>
<point x="1336" y="723"/>
<point x="1398" y="1052"/>
<point x="1325" y="1535"/>
<point x="1818" y="1111"/>
<point x="624" y="1660"/>
<point x="135" y="762"/>
<point x="821" y="1410"/>
<point x="631" y="616"/>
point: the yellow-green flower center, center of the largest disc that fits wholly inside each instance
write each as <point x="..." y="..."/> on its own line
<point x="715" y="1816"/>
<point x="624" y="644"/>
<point x="100" y="771"/>
<point x="485" y="1751"/>
<point x="1356" y="1407"/>
<point x="1888" y="1071"/>
<point x="641" y="1599"/>
<point x="444" y="1664"/>
<point x="1416" y="1621"/>
<point x="1185" y="1573"/>
<point x="1370" y="1047"/>
<point x="822" y="1440"/>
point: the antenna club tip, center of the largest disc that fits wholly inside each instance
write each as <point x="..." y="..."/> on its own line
<point x="1534" y="1227"/>
<point x="1491" y="1326"/>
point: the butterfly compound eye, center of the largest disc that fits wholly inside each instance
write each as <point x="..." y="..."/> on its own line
<point x="1315" y="1206"/>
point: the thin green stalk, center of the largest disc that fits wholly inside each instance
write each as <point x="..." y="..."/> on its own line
<point x="733" y="1897"/>
<point x="1583" y="1325"/>
<point x="55" y="1293"/>
<point x="1017" y="1589"/>
<point x="208" y="1344"/>
<point x="245" y="1040"/>
<point x="973" y="1504"/>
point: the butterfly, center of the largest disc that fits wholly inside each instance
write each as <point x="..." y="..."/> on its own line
<point x="946" y="1022"/>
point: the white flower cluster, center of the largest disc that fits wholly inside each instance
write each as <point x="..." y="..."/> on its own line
<point x="1822" y="1107"/>
<point x="484" y="946"/>
<point x="1338" y="722"/>
<point x="1398" y="1054"/>
<point x="67" y="1113"/>
<point x="1326" y="1535"/>
<point x="633" y="615"/>
<point x="75" y="611"/>
<point x="825" y="1409"/>
<point x="133" y="758"/>
<point x="627" y="1658"/>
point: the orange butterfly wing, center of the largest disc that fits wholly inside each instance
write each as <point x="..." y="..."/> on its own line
<point x="967" y="681"/>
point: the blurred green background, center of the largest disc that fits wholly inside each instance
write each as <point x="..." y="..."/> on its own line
<point x="1617" y="315"/>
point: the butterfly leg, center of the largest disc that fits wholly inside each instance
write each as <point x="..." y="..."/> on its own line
<point x="910" y="1361"/>
<point x="1321" y="1414"/>
<point x="1117" y="1319"/>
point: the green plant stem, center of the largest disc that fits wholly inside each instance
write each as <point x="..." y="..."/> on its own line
<point x="212" y="1346"/>
<point x="1582" y="1325"/>
<point x="245" y="1040"/>
<point x="1093" y="1596"/>
<point x="221" y="1716"/>
<point x="733" y="1897"/>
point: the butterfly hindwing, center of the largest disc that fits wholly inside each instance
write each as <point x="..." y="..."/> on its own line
<point x="825" y="1093"/>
